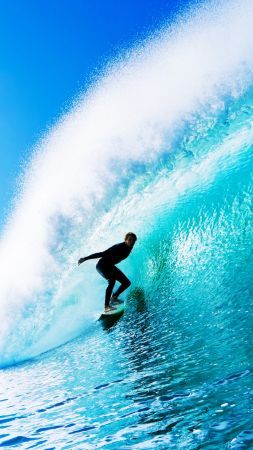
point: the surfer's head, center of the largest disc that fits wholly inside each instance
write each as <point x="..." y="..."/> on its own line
<point x="130" y="239"/>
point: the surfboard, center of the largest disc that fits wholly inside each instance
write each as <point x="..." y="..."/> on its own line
<point x="113" y="314"/>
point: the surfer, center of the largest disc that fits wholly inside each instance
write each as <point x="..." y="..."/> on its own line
<point x="106" y="267"/>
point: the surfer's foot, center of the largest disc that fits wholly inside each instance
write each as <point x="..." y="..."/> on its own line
<point x="115" y="300"/>
<point x="109" y="308"/>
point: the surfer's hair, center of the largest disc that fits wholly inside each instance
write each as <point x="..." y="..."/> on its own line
<point x="130" y="234"/>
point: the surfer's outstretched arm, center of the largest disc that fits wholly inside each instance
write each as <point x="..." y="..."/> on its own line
<point x="93" y="256"/>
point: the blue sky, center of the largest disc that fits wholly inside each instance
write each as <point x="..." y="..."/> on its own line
<point x="49" y="51"/>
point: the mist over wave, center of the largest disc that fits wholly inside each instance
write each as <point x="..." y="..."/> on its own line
<point x="157" y="128"/>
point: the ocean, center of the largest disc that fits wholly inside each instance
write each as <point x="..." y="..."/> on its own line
<point x="161" y="144"/>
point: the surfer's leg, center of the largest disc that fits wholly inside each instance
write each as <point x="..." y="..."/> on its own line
<point x="123" y="280"/>
<point x="106" y="272"/>
<point x="108" y="292"/>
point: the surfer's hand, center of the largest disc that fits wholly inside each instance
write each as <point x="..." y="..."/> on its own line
<point x="81" y="260"/>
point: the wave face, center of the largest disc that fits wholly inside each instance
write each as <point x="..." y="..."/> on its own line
<point x="161" y="145"/>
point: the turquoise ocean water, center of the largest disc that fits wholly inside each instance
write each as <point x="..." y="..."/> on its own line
<point x="161" y="146"/>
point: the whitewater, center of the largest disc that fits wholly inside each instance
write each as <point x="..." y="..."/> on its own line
<point x="160" y="145"/>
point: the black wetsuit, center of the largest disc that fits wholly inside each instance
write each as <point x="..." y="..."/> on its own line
<point x="106" y="268"/>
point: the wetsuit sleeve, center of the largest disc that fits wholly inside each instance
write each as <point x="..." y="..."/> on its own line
<point x="109" y="252"/>
<point x="96" y="255"/>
